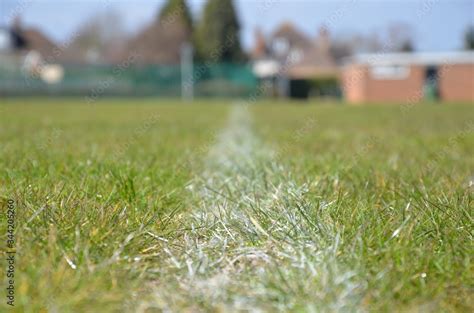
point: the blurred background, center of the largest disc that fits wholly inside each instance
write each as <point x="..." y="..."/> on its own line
<point x="355" y="51"/>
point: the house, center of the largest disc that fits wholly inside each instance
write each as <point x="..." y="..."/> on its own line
<point x="19" y="40"/>
<point x="11" y="40"/>
<point x="409" y="77"/>
<point x="27" y="56"/>
<point x="295" y="63"/>
<point x="37" y="41"/>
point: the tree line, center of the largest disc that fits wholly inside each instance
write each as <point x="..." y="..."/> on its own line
<point x="216" y="36"/>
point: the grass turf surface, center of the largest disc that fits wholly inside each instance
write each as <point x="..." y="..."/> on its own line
<point x="100" y="189"/>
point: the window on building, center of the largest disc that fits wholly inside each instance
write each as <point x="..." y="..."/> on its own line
<point x="389" y="72"/>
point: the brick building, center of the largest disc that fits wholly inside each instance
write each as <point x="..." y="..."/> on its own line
<point x="409" y="77"/>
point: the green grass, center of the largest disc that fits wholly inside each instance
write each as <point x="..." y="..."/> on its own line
<point x="138" y="205"/>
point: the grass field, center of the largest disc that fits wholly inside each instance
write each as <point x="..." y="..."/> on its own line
<point x="137" y="205"/>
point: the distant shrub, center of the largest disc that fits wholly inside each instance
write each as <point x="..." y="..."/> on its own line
<point x="325" y="87"/>
<point x="318" y="87"/>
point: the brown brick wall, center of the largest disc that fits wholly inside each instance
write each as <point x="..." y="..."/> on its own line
<point x="397" y="90"/>
<point x="456" y="82"/>
<point x="358" y="86"/>
<point x="354" y="79"/>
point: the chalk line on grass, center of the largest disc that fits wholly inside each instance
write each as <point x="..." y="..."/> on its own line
<point x="255" y="241"/>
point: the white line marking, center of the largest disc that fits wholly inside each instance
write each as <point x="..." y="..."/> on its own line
<point x="256" y="242"/>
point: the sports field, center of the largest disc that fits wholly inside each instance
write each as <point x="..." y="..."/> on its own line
<point x="151" y="205"/>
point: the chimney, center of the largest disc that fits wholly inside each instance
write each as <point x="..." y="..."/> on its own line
<point x="323" y="41"/>
<point x="260" y="48"/>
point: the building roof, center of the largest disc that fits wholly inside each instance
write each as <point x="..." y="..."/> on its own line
<point x="316" y="61"/>
<point x="292" y="35"/>
<point x="35" y="40"/>
<point x="313" y="64"/>
<point x="294" y="54"/>
<point x="409" y="58"/>
<point x="17" y="39"/>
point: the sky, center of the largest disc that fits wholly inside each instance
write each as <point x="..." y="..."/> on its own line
<point x="438" y="25"/>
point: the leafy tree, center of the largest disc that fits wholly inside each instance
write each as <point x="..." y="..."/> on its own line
<point x="217" y="35"/>
<point x="469" y="38"/>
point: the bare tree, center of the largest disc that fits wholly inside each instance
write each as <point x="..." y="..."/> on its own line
<point x="100" y="39"/>
<point x="400" y="37"/>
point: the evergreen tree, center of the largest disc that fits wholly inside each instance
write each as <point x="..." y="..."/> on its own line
<point x="176" y="11"/>
<point x="217" y="36"/>
<point x="469" y="38"/>
<point x="407" y="46"/>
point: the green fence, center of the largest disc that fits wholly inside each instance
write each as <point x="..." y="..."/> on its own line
<point x="95" y="81"/>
